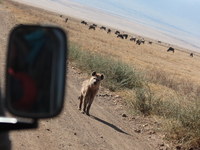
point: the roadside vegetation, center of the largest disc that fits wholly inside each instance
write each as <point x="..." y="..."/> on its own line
<point x="180" y="110"/>
<point x="118" y="74"/>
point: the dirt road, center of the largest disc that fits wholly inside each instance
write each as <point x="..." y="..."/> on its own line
<point x="108" y="127"/>
<point x="105" y="129"/>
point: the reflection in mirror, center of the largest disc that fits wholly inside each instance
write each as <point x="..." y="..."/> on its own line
<point x="36" y="67"/>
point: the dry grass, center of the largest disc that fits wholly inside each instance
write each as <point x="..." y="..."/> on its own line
<point x="178" y="64"/>
<point x="173" y="78"/>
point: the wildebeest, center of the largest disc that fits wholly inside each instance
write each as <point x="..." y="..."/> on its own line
<point x="191" y="54"/>
<point x="91" y="27"/>
<point x="159" y="41"/>
<point x="117" y="32"/>
<point x="83" y="22"/>
<point x="125" y="36"/>
<point x="143" y="41"/>
<point x="121" y="36"/>
<point x="94" y="25"/>
<point x="170" y="49"/>
<point x="104" y="28"/>
<point x="60" y="15"/>
<point x="133" y="39"/>
<point x="109" y="31"/>
<point x="138" y="42"/>
<point x="66" y="19"/>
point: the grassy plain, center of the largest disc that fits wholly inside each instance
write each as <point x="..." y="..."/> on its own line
<point x="171" y="80"/>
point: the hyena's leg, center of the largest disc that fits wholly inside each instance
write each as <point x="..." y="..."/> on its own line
<point x="85" y="102"/>
<point x="81" y="101"/>
<point x="88" y="109"/>
<point x="89" y="105"/>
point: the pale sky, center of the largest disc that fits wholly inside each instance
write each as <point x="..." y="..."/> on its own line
<point x="181" y="14"/>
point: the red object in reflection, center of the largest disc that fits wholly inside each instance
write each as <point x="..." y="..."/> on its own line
<point x="29" y="89"/>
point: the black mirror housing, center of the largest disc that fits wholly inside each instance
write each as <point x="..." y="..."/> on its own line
<point x="36" y="71"/>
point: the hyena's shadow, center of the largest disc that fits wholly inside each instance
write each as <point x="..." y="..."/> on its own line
<point x="109" y="124"/>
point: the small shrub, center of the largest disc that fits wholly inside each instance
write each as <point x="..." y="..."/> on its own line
<point x="143" y="100"/>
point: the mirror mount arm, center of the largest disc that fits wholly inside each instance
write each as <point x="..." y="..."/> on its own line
<point x="14" y="124"/>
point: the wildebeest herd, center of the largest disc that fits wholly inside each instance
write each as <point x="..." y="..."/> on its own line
<point x="122" y="35"/>
<point x="125" y="36"/>
<point x="119" y="34"/>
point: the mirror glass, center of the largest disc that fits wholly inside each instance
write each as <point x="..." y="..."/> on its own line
<point x="36" y="71"/>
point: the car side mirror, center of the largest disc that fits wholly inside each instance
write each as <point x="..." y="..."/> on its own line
<point x="36" y="71"/>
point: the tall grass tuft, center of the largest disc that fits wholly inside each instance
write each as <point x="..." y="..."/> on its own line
<point x="118" y="74"/>
<point x="182" y="121"/>
<point x="143" y="100"/>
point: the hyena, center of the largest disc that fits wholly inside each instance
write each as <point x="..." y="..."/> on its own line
<point x="89" y="89"/>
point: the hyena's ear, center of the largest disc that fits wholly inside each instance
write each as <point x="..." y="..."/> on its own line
<point x="94" y="73"/>
<point x="102" y="77"/>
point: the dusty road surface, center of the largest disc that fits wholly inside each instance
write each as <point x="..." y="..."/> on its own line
<point x="108" y="127"/>
<point x="105" y="129"/>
